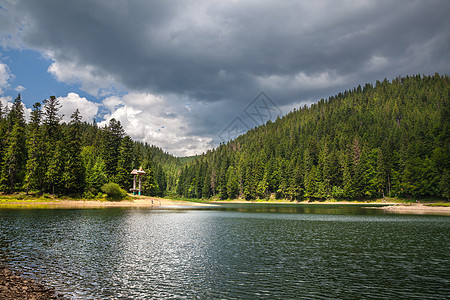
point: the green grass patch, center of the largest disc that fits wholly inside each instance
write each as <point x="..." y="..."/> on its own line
<point x="178" y="198"/>
<point x="442" y="204"/>
<point x="22" y="197"/>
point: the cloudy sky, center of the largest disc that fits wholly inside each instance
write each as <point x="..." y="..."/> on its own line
<point x="187" y="75"/>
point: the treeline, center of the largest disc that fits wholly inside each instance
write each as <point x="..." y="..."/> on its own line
<point x="48" y="156"/>
<point x="391" y="139"/>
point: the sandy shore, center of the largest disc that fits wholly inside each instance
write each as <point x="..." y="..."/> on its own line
<point x="417" y="209"/>
<point x="138" y="201"/>
<point x="161" y="203"/>
<point x="240" y="201"/>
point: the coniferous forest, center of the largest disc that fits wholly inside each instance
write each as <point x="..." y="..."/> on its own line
<point x="387" y="139"/>
<point x="391" y="139"/>
<point x="75" y="159"/>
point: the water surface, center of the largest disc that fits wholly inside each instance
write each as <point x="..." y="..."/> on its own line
<point x="273" y="251"/>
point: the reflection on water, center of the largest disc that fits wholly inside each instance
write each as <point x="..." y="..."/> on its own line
<point x="232" y="252"/>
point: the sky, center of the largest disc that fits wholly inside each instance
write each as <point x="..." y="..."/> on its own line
<point x="188" y="75"/>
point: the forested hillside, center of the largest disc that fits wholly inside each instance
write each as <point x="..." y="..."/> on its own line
<point x="47" y="156"/>
<point x="391" y="139"/>
<point x="373" y="141"/>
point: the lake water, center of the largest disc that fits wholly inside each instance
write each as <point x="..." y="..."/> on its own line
<point x="245" y="252"/>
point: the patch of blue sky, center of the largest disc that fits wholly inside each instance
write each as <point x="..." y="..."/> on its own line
<point x="29" y="70"/>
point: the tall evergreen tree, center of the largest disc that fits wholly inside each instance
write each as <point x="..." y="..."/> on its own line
<point x="149" y="186"/>
<point x="54" y="146"/>
<point x="3" y="133"/>
<point x="95" y="170"/>
<point x="35" y="167"/>
<point x="73" y="176"/>
<point x="14" y="156"/>
<point x="112" y="138"/>
<point x="125" y="163"/>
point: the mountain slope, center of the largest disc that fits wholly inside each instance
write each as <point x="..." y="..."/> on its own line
<point x="372" y="141"/>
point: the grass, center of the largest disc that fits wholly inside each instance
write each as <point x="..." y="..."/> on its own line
<point x="442" y="204"/>
<point x="23" y="197"/>
<point x="178" y="198"/>
<point x="36" y="197"/>
<point x="434" y="202"/>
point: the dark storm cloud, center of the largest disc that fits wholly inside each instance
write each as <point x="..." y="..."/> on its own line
<point x="232" y="49"/>
<point x="226" y="52"/>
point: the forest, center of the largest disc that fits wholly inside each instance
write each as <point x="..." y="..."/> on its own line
<point x="74" y="159"/>
<point x="387" y="139"/>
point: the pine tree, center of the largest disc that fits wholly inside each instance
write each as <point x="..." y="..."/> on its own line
<point x="95" y="170"/>
<point x="3" y="130"/>
<point x="125" y="163"/>
<point x="14" y="156"/>
<point x="149" y="186"/>
<point x="112" y="138"/>
<point x="52" y="119"/>
<point x="74" y="173"/>
<point x="54" y="146"/>
<point x="161" y="179"/>
<point x="35" y="167"/>
<point x="232" y="183"/>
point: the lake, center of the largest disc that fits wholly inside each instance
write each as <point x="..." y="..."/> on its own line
<point x="229" y="252"/>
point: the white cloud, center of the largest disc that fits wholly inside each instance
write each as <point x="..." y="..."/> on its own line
<point x="73" y="101"/>
<point x="89" y="77"/>
<point x="377" y="63"/>
<point x="302" y="81"/>
<point x="20" y="88"/>
<point x="157" y="121"/>
<point x="6" y="102"/>
<point x="5" y="76"/>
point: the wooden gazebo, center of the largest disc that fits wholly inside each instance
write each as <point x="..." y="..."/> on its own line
<point x="139" y="173"/>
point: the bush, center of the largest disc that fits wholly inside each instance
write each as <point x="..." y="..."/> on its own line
<point x="88" y="195"/>
<point x="113" y="191"/>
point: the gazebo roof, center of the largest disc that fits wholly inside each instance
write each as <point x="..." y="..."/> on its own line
<point x="134" y="172"/>
<point x="141" y="171"/>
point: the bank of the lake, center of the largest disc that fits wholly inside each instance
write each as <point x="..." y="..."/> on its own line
<point x="16" y="286"/>
<point x="391" y="205"/>
<point x="135" y="201"/>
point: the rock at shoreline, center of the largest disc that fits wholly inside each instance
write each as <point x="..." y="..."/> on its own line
<point x="13" y="286"/>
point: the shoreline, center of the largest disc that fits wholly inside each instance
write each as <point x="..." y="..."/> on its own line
<point x="14" y="285"/>
<point x="415" y="208"/>
<point x="164" y="203"/>
<point x="138" y="201"/>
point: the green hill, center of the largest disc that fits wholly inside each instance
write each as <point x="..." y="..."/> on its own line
<point x="387" y="139"/>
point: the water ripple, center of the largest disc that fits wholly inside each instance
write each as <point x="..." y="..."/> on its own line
<point x="125" y="253"/>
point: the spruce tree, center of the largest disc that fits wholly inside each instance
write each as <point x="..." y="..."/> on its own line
<point x="125" y="163"/>
<point x="35" y="167"/>
<point x="54" y="146"/>
<point x="3" y="129"/>
<point x="149" y="185"/>
<point x="74" y="173"/>
<point x="112" y="138"/>
<point x="14" y="156"/>
<point x="95" y="170"/>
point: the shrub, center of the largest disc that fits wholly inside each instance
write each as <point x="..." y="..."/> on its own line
<point x="88" y="195"/>
<point x="113" y="191"/>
